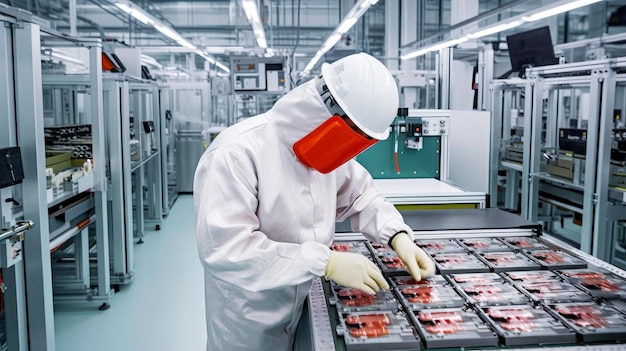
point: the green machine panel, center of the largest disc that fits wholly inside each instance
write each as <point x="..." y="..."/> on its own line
<point x="413" y="163"/>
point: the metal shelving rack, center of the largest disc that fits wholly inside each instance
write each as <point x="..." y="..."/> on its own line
<point x="23" y="121"/>
<point x="134" y="164"/>
<point x="507" y="99"/>
<point x="83" y="203"/>
<point x="587" y="191"/>
<point x="146" y="162"/>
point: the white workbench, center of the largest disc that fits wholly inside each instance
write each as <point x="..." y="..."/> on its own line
<point x="421" y="191"/>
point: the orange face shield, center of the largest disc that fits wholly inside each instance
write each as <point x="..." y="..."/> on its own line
<point x="331" y="144"/>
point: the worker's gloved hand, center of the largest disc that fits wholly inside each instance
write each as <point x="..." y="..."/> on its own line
<point x="416" y="261"/>
<point x="355" y="271"/>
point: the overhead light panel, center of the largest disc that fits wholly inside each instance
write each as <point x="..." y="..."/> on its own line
<point x="344" y="26"/>
<point x="252" y="14"/>
<point x="138" y="14"/>
<point x="435" y="47"/>
<point x="146" y="18"/>
<point x="223" y="67"/>
<point x="495" y="29"/>
<point x="548" y="11"/>
<point x="568" y="6"/>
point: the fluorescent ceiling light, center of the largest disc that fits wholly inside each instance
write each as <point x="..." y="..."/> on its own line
<point x="560" y="7"/>
<point x="331" y="41"/>
<point x="346" y="24"/>
<point x="495" y="29"/>
<point x="146" y="18"/>
<point x="435" y="47"/>
<point x="205" y="56"/>
<point x="170" y="33"/>
<point x="348" y="21"/>
<point x="571" y="5"/>
<point x="252" y="14"/>
<point x="138" y="14"/>
<point x="222" y="66"/>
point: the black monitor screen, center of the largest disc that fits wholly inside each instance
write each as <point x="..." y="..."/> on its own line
<point x="531" y="48"/>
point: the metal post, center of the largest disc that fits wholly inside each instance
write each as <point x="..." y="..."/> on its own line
<point x="392" y="34"/>
<point x="16" y="327"/>
<point x="157" y="179"/>
<point x="532" y="147"/>
<point x="120" y="191"/>
<point x="495" y="91"/>
<point x="445" y="66"/>
<point x="485" y="76"/>
<point x="602" y="241"/>
<point x="29" y="108"/>
<point x="100" y="179"/>
<point x="589" y="195"/>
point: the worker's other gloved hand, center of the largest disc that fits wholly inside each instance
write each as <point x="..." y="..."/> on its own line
<point x="355" y="271"/>
<point x="416" y="261"/>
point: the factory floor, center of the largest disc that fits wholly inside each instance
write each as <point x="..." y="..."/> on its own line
<point x="161" y="310"/>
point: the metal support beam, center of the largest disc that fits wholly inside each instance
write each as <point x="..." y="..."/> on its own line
<point x="100" y="183"/>
<point x="29" y="110"/>
<point x="392" y="34"/>
<point x="601" y="245"/>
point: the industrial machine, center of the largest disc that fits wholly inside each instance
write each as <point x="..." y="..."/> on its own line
<point x="256" y="83"/>
<point x="12" y="311"/>
<point x="267" y="74"/>
<point x="425" y="161"/>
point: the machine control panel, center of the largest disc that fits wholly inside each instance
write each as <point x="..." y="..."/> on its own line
<point x="259" y="74"/>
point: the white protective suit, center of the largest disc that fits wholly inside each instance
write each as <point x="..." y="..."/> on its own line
<point x="265" y="221"/>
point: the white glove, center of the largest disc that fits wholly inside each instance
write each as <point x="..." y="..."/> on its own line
<point x="416" y="261"/>
<point x="355" y="271"/>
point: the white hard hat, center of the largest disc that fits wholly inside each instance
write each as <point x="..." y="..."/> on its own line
<point x="365" y="90"/>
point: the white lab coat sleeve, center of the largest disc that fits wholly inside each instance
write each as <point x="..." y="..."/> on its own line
<point x="230" y="245"/>
<point x="369" y="212"/>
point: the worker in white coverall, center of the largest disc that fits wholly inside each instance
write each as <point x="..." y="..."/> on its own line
<point x="267" y="194"/>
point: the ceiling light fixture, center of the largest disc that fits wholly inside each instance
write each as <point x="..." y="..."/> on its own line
<point x="555" y="9"/>
<point x="252" y="14"/>
<point x="146" y="18"/>
<point x="344" y="26"/>
<point x="568" y="6"/>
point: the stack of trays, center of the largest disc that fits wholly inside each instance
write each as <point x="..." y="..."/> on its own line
<point x="352" y="300"/>
<point x="436" y="246"/>
<point x="377" y="330"/>
<point x="460" y="262"/>
<point x="435" y="292"/>
<point x="600" y="284"/>
<point x="488" y="289"/>
<point x="488" y="292"/>
<point x="452" y="327"/>
<point x="351" y="246"/>
<point x="556" y="259"/>
<point x="592" y="322"/>
<point x="484" y="244"/>
<point x="524" y="243"/>
<point x="502" y="261"/>
<point x="526" y="325"/>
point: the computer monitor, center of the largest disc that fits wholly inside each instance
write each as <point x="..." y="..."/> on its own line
<point x="531" y="48"/>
